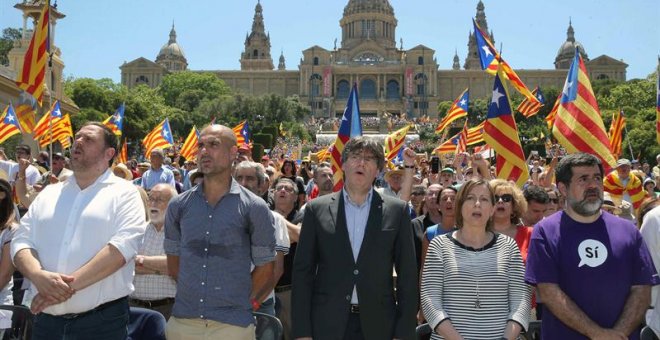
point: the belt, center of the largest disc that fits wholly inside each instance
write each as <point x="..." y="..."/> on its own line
<point x="95" y="309"/>
<point x="355" y="309"/>
<point x="152" y="303"/>
<point x="280" y="289"/>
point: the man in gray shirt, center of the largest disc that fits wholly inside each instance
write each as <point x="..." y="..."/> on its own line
<point x="212" y="233"/>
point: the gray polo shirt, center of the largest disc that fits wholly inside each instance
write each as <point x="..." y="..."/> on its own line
<point x="216" y="246"/>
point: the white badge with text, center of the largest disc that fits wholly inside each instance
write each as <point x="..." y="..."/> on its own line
<point x="592" y="253"/>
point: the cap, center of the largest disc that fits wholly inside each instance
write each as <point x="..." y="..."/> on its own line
<point x="607" y="199"/>
<point x="244" y="147"/>
<point x="649" y="180"/>
<point x="448" y="169"/>
<point x="265" y="158"/>
<point x="396" y="171"/>
<point x="58" y="155"/>
<point x="121" y="168"/>
<point x="622" y="162"/>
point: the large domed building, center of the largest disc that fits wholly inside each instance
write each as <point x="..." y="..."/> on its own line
<point x="390" y="79"/>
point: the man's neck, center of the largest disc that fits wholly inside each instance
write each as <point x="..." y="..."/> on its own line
<point x="158" y="226"/>
<point x="86" y="178"/>
<point x="357" y="196"/>
<point x="156" y="168"/>
<point x="215" y="186"/>
<point x="321" y="193"/>
<point x="582" y="219"/>
<point x="434" y="216"/>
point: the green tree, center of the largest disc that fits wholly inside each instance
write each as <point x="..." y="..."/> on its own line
<point x="7" y="43"/>
<point x="186" y="90"/>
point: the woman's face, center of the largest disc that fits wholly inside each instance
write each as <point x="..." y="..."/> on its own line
<point x="288" y="169"/>
<point x="477" y="208"/>
<point x="447" y="199"/>
<point x="503" y="203"/>
<point x="553" y="203"/>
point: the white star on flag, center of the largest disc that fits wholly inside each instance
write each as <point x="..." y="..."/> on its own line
<point x="10" y="117"/>
<point x="462" y="102"/>
<point x="567" y="86"/>
<point x="496" y="97"/>
<point x="487" y="50"/>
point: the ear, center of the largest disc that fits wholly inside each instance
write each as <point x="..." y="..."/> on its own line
<point x="109" y="153"/>
<point x="563" y="189"/>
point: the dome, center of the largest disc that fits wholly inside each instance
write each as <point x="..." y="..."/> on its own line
<point x="567" y="49"/>
<point x="172" y="48"/>
<point x="368" y="6"/>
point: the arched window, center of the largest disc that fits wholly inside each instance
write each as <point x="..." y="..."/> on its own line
<point x="343" y="89"/>
<point x="255" y="53"/>
<point x="315" y="85"/>
<point x="420" y="80"/>
<point x="420" y="60"/>
<point x="316" y="60"/>
<point x="393" y="90"/>
<point x="368" y="89"/>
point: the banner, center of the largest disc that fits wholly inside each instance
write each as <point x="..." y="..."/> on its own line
<point x="327" y="87"/>
<point x="409" y="81"/>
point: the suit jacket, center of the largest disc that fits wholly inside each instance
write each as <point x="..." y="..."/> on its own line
<point x="325" y="272"/>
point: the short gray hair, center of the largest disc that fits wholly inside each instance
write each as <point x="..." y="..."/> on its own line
<point x="361" y="143"/>
<point x="259" y="171"/>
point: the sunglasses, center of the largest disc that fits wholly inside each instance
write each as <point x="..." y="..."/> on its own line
<point x="505" y="198"/>
<point x="554" y="200"/>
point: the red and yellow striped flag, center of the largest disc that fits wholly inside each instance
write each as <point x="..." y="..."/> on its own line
<point x="448" y="146"/>
<point x="31" y="76"/>
<point x="550" y="118"/>
<point x="26" y="110"/>
<point x="578" y="125"/>
<point x="47" y="121"/>
<point x="457" y="110"/>
<point x="461" y="146"/>
<point x="528" y="107"/>
<point x="394" y="142"/>
<point x="61" y="131"/>
<point x="159" y="137"/>
<point x="616" y="133"/>
<point x="123" y="153"/>
<point x="9" y="124"/>
<point x="501" y="133"/>
<point x="475" y="135"/>
<point x="189" y="149"/>
<point x="242" y="132"/>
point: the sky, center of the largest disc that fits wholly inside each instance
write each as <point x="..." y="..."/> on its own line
<point x="96" y="37"/>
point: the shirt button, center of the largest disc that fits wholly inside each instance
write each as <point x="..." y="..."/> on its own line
<point x="203" y="266"/>
<point x="206" y="249"/>
<point x="207" y="233"/>
<point x="355" y="272"/>
<point x="201" y="300"/>
<point x="348" y="298"/>
<point x="202" y="283"/>
<point x="201" y="316"/>
<point x="210" y="216"/>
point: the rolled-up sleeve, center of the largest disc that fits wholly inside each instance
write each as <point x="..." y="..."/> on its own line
<point x="262" y="233"/>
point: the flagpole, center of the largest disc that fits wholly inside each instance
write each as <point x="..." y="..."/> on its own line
<point x="50" y="93"/>
<point x="632" y="156"/>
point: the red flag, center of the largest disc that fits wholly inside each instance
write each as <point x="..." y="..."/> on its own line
<point x="457" y="110"/>
<point x="159" y="137"/>
<point x="189" y="149"/>
<point x="32" y="75"/>
<point x="616" y="133"/>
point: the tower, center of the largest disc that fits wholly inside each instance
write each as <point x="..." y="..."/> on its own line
<point x="257" y="45"/>
<point x="457" y="64"/>
<point x="282" y="65"/>
<point x="368" y="20"/>
<point x="566" y="52"/>
<point x="472" y="59"/>
<point x="171" y="54"/>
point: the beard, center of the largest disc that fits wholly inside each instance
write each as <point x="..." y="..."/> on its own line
<point x="586" y="207"/>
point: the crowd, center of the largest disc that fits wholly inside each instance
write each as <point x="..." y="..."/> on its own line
<point x="207" y="243"/>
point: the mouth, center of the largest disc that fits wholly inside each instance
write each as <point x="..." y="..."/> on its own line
<point x="154" y="211"/>
<point x="500" y="209"/>
<point x="477" y="214"/>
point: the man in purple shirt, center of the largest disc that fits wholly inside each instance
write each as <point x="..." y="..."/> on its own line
<point x="592" y="269"/>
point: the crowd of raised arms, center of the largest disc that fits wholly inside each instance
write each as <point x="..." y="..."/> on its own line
<point x="200" y="249"/>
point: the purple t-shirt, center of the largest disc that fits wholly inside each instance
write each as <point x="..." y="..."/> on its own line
<point x="595" y="264"/>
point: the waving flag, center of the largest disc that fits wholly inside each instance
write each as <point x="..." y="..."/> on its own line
<point x="322" y="154"/>
<point x="242" y="132"/>
<point x="491" y="59"/>
<point x="448" y="146"/>
<point x="123" y="153"/>
<point x="578" y="125"/>
<point x="457" y="110"/>
<point x="529" y="108"/>
<point x="47" y="121"/>
<point x="462" y="146"/>
<point x="189" y="149"/>
<point x="616" y="133"/>
<point x="116" y="121"/>
<point x="26" y="109"/>
<point x="475" y="135"/>
<point x="351" y="126"/>
<point x="394" y="143"/>
<point x="550" y="118"/>
<point x="501" y="133"/>
<point x="159" y="137"/>
<point x="32" y="75"/>
<point x="9" y="124"/>
<point x="61" y="131"/>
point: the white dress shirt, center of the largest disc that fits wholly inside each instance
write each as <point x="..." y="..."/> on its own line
<point x="32" y="174"/>
<point x="68" y="226"/>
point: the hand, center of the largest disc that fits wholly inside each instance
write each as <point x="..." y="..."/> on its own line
<point x="22" y="166"/>
<point x="607" y="334"/>
<point x="420" y="317"/>
<point x="53" y="286"/>
<point x="39" y="303"/>
<point x="409" y="156"/>
<point x="53" y="179"/>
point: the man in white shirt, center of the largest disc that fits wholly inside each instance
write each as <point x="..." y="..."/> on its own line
<point x="23" y="151"/>
<point x="77" y="242"/>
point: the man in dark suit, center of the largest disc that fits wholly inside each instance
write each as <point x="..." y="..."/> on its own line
<point x="349" y="243"/>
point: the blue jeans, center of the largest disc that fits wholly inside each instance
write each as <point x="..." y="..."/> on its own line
<point x="106" y="323"/>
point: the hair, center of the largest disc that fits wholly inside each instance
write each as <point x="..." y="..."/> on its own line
<point x="647" y="205"/>
<point x="519" y="204"/>
<point x="564" y="171"/>
<point x="323" y="165"/>
<point x="294" y="168"/>
<point x="6" y="205"/>
<point x="169" y="188"/>
<point x="24" y="147"/>
<point x="451" y="187"/>
<point x="462" y="194"/>
<point x="362" y="143"/>
<point x="537" y="194"/>
<point x="109" y="138"/>
<point x="194" y="176"/>
<point x="259" y="170"/>
<point x="288" y="181"/>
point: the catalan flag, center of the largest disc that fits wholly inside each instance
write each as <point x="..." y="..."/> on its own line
<point x="458" y="109"/>
<point x="448" y="146"/>
<point x="501" y="133"/>
<point x="394" y="142"/>
<point x="47" y="121"/>
<point x="550" y="118"/>
<point x="26" y="109"/>
<point x="242" y="132"/>
<point x="351" y="126"/>
<point x="32" y="75"/>
<point x="116" y="121"/>
<point x="159" y="137"/>
<point x="189" y="149"/>
<point x="9" y="124"/>
<point x="462" y="140"/>
<point x="528" y="107"/>
<point x="475" y="135"/>
<point x="616" y="133"/>
<point x="578" y="125"/>
<point x="123" y="153"/>
<point x="61" y="131"/>
<point x="491" y="59"/>
<point x="322" y="154"/>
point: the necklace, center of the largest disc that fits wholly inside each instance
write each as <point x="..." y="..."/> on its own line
<point x="473" y="266"/>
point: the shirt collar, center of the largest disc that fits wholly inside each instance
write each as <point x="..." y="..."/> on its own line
<point x="348" y="200"/>
<point x="106" y="177"/>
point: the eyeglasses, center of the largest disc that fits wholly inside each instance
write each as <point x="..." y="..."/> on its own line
<point x="554" y="200"/>
<point x="506" y="198"/>
<point x="285" y="188"/>
<point x="418" y="193"/>
<point x="157" y="200"/>
<point x="367" y="158"/>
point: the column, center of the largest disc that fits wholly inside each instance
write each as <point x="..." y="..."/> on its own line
<point x="25" y="16"/>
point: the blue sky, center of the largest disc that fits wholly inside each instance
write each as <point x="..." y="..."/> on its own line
<point x="96" y="37"/>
